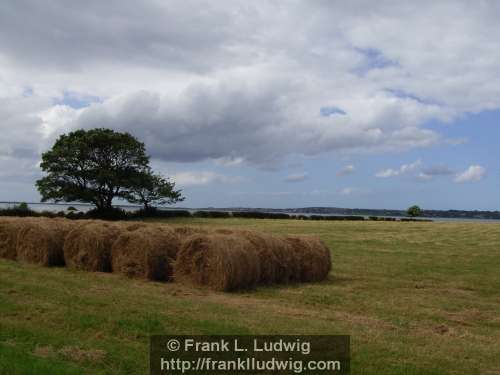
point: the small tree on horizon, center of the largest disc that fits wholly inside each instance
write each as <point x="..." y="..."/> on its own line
<point x="414" y="211"/>
<point x="152" y="190"/>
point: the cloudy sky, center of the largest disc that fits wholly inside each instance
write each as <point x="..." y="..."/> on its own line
<point x="265" y="103"/>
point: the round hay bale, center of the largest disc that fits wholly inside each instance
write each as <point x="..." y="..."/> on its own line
<point x="313" y="255"/>
<point x="9" y="229"/>
<point x="221" y="262"/>
<point x="130" y="227"/>
<point x="88" y="247"/>
<point x="42" y="241"/>
<point x="278" y="262"/>
<point x="224" y="231"/>
<point x="189" y="231"/>
<point x="147" y="252"/>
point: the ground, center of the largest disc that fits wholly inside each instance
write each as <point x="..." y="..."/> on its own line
<point x="416" y="298"/>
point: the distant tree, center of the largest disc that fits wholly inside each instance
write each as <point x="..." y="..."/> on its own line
<point x="23" y="206"/>
<point x="152" y="190"/>
<point x="414" y="211"/>
<point x="93" y="166"/>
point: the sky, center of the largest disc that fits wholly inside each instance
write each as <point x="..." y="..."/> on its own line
<point x="264" y="103"/>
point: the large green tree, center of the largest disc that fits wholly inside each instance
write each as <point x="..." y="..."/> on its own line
<point x="93" y="166"/>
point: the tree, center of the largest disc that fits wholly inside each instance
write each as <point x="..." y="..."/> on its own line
<point x="414" y="211"/>
<point x="152" y="189"/>
<point x="93" y="166"/>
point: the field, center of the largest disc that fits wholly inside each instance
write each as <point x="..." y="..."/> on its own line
<point x="416" y="298"/>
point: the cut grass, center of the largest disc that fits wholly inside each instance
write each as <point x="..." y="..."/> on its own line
<point x="416" y="298"/>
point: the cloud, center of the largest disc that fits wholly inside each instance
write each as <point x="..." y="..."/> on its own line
<point x="200" y="85"/>
<point x="424" y="177"/>
<point x="438" y="170"/>
<point x="347" y="191"/>
<point x="186" y="179"/>
<point x="404" y="169"/>
<point x="471" y="174"/>
<point x="195" y="81"/>
<point x="230" y="120"/>
<point x="228" y="161"/>
<point x="428" y="174"/>
<point x="299" y="177"/>
<point x="347" y="170"/>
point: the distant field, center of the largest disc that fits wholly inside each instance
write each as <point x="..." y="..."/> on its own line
<point x="416" y="298"/>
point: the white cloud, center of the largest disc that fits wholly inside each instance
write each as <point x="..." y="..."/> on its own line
<point x="298" y="177"/>
<point x="347" y="191"/>
<point x="422" y="176"/>
<point x="473" y="173"/>
<point x="347" y="170"/>
<point x="185" y="179"/>
<point x="404" y="169"/>
<point x="229" y="161"/>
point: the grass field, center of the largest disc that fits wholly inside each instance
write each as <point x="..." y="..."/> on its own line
<point x="416" y="298"/>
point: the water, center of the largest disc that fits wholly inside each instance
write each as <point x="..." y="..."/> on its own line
<point x="56" y="207"/>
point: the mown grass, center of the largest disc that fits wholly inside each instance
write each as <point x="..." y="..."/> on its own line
<point x="416" y="298"/>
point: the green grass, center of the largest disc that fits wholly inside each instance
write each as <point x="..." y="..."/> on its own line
<point x="416" y="298"/>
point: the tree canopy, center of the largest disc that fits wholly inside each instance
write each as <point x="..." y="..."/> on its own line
<point x="414" y="211"/>
<point x="96" y="166"/>
<point x="151" y="189"/>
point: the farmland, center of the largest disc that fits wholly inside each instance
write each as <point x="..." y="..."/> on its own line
<point x="416" y="298"/>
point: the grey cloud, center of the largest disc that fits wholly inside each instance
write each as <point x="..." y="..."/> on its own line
<point x="254" y="124"/>
<point x="57" y="34"/>
<point x="438" y="170"/>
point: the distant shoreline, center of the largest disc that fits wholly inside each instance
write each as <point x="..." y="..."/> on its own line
<point x="432" y="214"/>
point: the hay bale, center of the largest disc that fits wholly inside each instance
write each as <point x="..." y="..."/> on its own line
<point x="225" y="231"/>
<point x="221" y="262"/>
<point x="184" y="232"/>
<point x="130" y="227"/>
<point x="42" y="241"/>
<point x="313" y="255"/>
<point x="88" y="246"/>
<point x="9" y="229"/>
<point x="278" y="262"/>
<point x="147" y="252"/>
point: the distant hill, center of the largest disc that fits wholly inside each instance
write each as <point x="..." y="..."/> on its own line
<point x="458" y="214"/>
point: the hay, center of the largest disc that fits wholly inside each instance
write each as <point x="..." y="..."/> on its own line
<point x="42" y="241"/>
<point x="88" y="247"/>
<point x="221" y="262"/>
<point x="147" y="252"/>
<point x="242" y="259"/>
<point x="313" y="255"/>
<point x="278" y="262"/>
<point x="130" y="227"/>
<point x="225" y="231"/>
<point x="9" y="229"/>
<point x="184" y="232"/>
